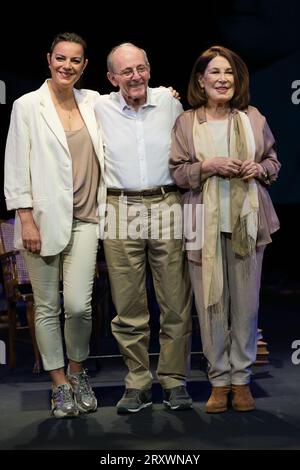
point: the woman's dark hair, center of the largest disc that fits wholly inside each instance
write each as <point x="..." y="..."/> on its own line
<point x="69" y="37"/>
<point x="196" y="95"/>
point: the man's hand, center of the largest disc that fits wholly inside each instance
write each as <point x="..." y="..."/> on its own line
<point x="174" y="93"/>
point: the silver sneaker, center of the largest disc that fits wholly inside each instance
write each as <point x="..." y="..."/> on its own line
<point x="84" y="396"/>
<point x="62" y="402"/>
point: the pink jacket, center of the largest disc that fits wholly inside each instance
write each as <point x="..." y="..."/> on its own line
<point x="186" y="169"/>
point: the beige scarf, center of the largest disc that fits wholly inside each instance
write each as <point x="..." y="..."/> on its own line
<point x="243" y="203"/>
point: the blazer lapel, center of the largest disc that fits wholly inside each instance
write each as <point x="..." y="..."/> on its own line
<point x="51" y="117"/>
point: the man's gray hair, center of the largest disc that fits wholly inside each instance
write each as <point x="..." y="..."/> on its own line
<point x="110" y="66"/>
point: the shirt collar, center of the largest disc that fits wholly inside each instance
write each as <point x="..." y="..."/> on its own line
<point x="150" y="102"/>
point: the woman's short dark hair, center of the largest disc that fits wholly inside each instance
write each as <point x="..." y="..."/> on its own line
<point x="196" y="95"/>
<point x="69" y="37"/>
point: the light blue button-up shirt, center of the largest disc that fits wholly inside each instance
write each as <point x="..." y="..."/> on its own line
<point x="137" y="144"/>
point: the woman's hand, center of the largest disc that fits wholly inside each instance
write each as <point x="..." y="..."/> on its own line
<point x="250" y="169"/>
<point x="226" y="167"/>
<point x="30" y="233"/>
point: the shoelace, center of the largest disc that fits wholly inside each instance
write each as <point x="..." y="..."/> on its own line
<point x="84" y="385"/>
<point x="62" y="394"/>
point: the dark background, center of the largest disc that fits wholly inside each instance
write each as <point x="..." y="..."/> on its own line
<point x="264" y="32"/>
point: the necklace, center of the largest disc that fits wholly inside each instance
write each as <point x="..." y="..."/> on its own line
<point x="62" y="103"/>
<point x="69" y="120"/>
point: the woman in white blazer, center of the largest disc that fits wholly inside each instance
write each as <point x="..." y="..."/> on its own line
<point x="54" y="170"/>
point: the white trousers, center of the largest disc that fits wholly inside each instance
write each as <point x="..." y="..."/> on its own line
<point x="77" y="265"/>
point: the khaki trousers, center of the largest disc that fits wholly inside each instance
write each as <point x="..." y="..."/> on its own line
<point x="126" y="260"/>
<point x="77" y="262"/>
<point x="229" y="337"/>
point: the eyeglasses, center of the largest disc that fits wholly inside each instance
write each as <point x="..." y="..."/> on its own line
<point x="128" y="73"/>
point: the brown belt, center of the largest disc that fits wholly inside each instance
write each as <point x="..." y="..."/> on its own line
<point x="160" y="190"/>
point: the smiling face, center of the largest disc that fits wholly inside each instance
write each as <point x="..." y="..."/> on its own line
<point x="218" y="81"/>
<point x="66" y="63"/>
<point x="130" y="73"/>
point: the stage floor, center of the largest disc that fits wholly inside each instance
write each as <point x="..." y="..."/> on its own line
<point x="25" y="421"/>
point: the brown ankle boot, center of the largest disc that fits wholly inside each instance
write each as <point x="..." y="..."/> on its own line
<point x="242" y="399"/>
<point x="218" y="400"/>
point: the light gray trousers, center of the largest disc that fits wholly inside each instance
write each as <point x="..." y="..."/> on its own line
<point x="229" y="337"/>
<point x="77" y="262"/>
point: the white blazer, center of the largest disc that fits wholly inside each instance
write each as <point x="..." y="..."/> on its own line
<point x="38" y="166"/>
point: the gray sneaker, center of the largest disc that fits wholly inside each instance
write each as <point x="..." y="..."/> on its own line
<point x="134" y="400"/>
<point x="62" y="402"/>
<point x="83" y="394"/>
<point x="177" y="398"/>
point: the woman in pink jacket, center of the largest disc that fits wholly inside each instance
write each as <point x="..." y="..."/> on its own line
<point x="223" y="153"/>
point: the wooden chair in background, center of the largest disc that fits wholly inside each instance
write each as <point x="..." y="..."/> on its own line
<point x="17" y="288"/>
